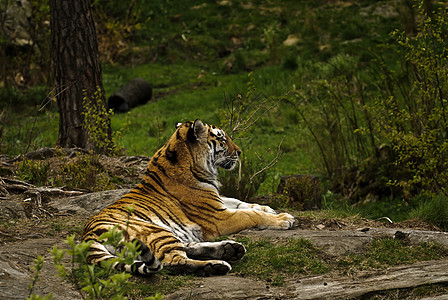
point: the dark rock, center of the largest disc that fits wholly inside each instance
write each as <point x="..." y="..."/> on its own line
<point x="136" y="92"/>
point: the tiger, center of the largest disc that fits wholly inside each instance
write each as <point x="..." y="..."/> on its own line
<point x="178" y="212"/>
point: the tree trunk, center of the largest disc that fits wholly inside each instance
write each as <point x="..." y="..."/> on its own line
<point x="77" y="68"/>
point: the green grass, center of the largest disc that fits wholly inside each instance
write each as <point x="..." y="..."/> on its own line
<point x="196" y="55"/>
<point x="162" y="282"/>
<point x="274" y="261"/>
<point x="432" y="209"/>
<point x="384" y="252"/>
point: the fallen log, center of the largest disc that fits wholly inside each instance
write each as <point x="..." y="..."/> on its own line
<point x="370" y="282"/>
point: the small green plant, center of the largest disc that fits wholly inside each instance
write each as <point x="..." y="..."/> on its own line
<point x="38" y="265"/>
<point x="33" y="171"/>
<point x="97" y="121"/>
<point x="98" y="282"/>
<point x="271" y="42"/>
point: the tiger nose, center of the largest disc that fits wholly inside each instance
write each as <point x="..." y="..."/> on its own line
<point x="238" y="152"/>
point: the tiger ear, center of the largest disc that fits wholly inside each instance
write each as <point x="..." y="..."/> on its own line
<point x="200" y="130"/>
<point x="178" y="124"/>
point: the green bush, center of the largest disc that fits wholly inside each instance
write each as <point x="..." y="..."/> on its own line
<point x="84" y="172"/>
<point x="244" y="186"/>
<point x="412" y="113"/>
<point x="33" y="171"/>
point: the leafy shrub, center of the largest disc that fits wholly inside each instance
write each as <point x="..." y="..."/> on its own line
<point x="244" y="186"/>
<point x="241" y="113"/>
<point x="33" y="171"/>
<point x="412" y="113"/>
<point x="85" y="172"/>
<point x="332" y="108"/>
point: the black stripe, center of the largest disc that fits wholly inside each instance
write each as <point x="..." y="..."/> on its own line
<point x="99" y="231"/>
<point x="156" y="178"/>
<point x="171" y="155"/>
<point x="199" y="178"/>
<point x="135" y="266"/>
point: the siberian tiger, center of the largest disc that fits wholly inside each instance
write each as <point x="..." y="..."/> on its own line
<point x="177" y="207"/>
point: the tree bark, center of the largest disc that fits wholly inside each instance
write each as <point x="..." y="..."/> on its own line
<point x="76" y="67"/>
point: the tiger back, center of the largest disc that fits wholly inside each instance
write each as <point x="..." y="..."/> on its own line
<point x="177" y="208"/>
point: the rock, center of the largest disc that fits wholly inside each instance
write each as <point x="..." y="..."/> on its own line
<point x="136" y="92"/>
<point x="87" y="204"/>
<point x="16" y="262"/>
<point x="42" y="153"/>
<point x="228" y="287"/>
<point x="291" y="40"/>
<point x="303" y="191"/>
<point x="10" y="209"/>
<point x="368" y="282"/>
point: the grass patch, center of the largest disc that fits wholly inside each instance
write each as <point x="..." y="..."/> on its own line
<point x="162" y="283"/>
<point x="432" y="209"/>
<point x="384" y="252"/>
<point x="274" y="261"/>
<point x="277" y="261"/>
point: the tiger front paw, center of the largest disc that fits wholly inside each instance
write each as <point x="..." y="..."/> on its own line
<point x="285" y="221"/>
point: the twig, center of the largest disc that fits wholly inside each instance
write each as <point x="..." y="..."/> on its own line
<point x="272" y="163"/>
<point x="385" y="218"/>
<point x="269" y="165"/>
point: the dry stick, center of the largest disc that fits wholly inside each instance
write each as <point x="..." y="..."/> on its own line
<point x="245" y="123"/>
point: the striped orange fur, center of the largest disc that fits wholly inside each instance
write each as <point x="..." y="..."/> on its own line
<point x="177" y="208"/>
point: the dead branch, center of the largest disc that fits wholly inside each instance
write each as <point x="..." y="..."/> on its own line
<point x="272" y="163"/>
<point x="9" y="186"/>
<point x="269" y="165"/>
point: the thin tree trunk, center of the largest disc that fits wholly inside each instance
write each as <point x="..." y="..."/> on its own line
<point x="76" y="66"/>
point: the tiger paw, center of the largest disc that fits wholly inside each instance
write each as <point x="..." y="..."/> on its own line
<point x="215" y="267"/>
<point x="285" y="221"/>
<point x="232" y="251"/>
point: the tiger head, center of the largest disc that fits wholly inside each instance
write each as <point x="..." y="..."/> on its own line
<point x="199" y="148"/>
<point x="212" y="144"/>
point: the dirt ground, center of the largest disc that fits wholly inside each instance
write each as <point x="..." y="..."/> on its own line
<point x="30" y="225"/>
